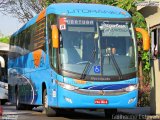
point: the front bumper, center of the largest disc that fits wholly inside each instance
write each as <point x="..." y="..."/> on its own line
<point x="71" y="99"/>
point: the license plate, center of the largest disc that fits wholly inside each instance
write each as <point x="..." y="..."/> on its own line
<point x="99" y="101"/>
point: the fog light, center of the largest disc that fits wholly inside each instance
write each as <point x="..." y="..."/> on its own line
<point x="131" y="100"/>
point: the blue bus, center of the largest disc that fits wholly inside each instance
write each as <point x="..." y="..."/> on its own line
<point x="74" y="55"/>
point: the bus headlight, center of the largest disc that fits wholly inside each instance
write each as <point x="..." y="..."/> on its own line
<point x="67" y="86"/>
<point x="131" y="88"/>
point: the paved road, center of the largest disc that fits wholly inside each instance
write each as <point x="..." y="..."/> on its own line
<point x="36" y="114"/>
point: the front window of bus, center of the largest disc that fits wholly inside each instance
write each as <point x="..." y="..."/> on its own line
<point x="94" y="47"/>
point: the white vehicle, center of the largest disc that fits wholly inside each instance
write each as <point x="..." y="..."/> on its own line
<point x="4" y="48"/>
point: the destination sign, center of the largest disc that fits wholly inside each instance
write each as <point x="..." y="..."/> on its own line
<point x="63" y="22"/>
<point x="79" y="22"/>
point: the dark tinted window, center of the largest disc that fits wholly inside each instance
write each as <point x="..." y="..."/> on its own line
<point x="31" y="39"/>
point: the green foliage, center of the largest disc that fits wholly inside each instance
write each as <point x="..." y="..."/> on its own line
<point x="144" y="100"/>
<point x="125" y="4"/>
<point x="48" y="2"/>
<point x="63" y="1"/>
<point x="110" y="2"/>
<point x="144" y="91"/>
<point x="138" y="20"/>
<point x="86" y="1"/>
<point x="4" y="39"/>
<point x="146" y="59"/>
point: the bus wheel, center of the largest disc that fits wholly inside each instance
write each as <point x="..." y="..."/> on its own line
<point x="109" y="113"/>
<point x="50" y="112"/>
<point x="18" y="105"/>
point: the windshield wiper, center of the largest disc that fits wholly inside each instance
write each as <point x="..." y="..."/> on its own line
<point x="116" y="66"/>
<point x="87" y="66"/>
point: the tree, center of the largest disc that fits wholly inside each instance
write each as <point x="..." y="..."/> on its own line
<point x="2" y="3"/>
<point x="21" y="9"/>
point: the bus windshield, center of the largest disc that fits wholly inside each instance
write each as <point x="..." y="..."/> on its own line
<point x="96" y="47"/>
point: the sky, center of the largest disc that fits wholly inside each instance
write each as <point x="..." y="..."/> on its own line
<point x="9" y="25"/>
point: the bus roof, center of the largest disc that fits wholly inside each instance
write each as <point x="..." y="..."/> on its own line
<point x="87" y="10"/>
<point x="81" y="10"/>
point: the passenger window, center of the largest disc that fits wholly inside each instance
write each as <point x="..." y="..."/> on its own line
<point x="39" y="35"/>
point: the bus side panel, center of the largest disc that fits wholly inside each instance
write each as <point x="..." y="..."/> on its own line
<point x="48" y="79"/>
<point x="21" y="71"/>
<point x="34" y="77"/>
<point x="29" y="90"/>
<point x="39" y="77"/>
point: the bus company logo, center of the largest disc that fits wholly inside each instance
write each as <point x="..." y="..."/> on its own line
<point x="88" y="11"/>
<point x="101" y="92"/>
<point x="109" y="27"/>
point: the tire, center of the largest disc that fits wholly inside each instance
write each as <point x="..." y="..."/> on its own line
<point x="28" y="107"/>
<point x="49" y="111"/>
<point x="18" y="105"/>
<point x="110" y="112"/>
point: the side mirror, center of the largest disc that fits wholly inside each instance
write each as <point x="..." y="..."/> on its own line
<point x="55" y="36"/>
<point x="146" y="39"/>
